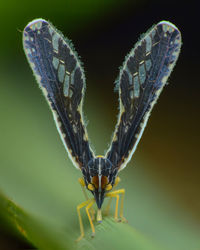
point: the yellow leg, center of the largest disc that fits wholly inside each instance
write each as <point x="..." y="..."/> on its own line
<point x="88" y="204"/>
<point x="82" y="183"/>
<point x="89" y="217"/>
<point x="116" y="195"/>
<point x="121" y="215"/>
<point x="106" y="212"/>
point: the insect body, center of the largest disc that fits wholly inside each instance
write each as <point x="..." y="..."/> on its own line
<point x="142" y="77"/>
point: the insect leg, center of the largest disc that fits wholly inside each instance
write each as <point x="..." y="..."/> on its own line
<point x="82" y="183"/>
<point x="89" y="217"/>
<point x="107" y="209"/>
<point x="116" y="195"/>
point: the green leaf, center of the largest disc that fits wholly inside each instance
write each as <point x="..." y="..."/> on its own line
<point x="46" y="234"/>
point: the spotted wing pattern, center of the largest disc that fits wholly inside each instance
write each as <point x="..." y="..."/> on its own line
<point x="60" y="76"/>
<point x="142" y="78"/>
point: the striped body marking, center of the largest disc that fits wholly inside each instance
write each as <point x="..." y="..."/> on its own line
<point x="60" y="76"/>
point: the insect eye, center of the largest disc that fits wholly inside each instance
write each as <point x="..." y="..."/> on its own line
<point x="108" y="187"/>
<point x="90" y="187"/>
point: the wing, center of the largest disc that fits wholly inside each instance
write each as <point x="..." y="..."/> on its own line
<point x="59" y="74"/>
<point x="141" y="80"/>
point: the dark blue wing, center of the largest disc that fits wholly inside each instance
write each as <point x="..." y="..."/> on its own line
<point x="142" y="78"/>
<point x="59" y="74"/>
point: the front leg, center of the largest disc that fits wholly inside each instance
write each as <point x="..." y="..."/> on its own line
<point x="107" y="209"/>
<point x="88" y="204"/>
<point x="83" y="187"/>
<point x="116" y="195"/>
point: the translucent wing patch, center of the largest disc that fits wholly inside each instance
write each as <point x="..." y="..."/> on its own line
<point x="60" y="76"/>
<point x="141" y="80"/>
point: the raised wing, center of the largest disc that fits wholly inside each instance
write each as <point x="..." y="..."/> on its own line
<point x="141" y="80"/>
<point x="59" y="74"/>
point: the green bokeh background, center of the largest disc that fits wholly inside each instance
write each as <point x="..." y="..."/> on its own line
<point x="162" y="180"/>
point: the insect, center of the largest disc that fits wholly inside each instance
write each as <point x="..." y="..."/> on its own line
<point x="60" y="75"/>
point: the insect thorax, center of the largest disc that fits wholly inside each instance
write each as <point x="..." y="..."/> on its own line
<point x="100" y="172"/>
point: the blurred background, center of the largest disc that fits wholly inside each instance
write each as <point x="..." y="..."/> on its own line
<point x="162" y="180"/>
